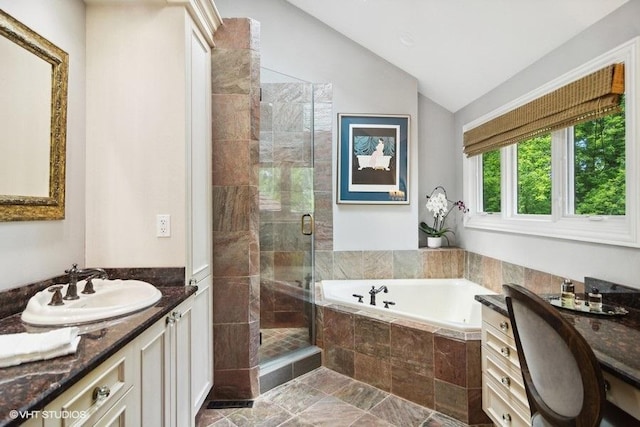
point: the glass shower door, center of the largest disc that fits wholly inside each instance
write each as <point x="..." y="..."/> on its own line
<point x="286" y="215"/>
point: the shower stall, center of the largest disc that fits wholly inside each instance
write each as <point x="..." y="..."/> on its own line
<point x="286" y="217"/>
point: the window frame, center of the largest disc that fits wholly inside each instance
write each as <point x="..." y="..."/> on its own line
<point x="613" y="230"/>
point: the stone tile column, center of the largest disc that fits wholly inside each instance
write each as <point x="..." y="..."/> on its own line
<point x="236" y="249"/>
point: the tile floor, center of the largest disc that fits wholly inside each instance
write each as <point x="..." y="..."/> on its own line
<point x="278" y="341"/>
<point x="324" y="397"/>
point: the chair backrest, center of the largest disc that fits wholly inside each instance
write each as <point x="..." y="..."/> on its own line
<point x="562" y="376"/>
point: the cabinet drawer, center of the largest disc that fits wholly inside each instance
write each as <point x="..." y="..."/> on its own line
<point x="120" y="414"/>
<point x="497" y="321"/>
<point x="501" y="408"/>
<point x="508" y="378"/>
<point x="501" y="344"/>
<point x="95" y="393"/>
<point x="623" y="395"/>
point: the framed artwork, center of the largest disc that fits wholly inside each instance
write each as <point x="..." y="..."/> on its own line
<point x="373" y="159"/>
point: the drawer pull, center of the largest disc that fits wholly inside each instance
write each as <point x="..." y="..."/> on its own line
<point x="505" y="351"/>
<point x="504" y="326"/>
<point x="100" y="393"/>
<point x="506" y="381"/>
<point x="177" y="315"/>
<point x="506" y="418"/>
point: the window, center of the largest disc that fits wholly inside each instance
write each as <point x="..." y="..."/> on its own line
<point x="491" y="198"/>
<point x="598" y="178"/>
<point x="534" y="176"/>
<point x="579" y="182"/>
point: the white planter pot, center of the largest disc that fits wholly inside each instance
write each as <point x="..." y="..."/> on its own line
<point x="434" y="242"/>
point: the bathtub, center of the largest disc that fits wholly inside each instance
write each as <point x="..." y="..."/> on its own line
<point x="446" y="303"/>
<point x="382" y="162"/>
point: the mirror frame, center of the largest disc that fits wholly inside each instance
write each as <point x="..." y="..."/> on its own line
<point x="28" y="208"/>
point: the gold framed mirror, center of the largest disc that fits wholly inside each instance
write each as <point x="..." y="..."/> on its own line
<point x="33" y="124"/>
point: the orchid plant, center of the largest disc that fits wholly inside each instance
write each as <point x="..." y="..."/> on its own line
<point x="440" y="206"/>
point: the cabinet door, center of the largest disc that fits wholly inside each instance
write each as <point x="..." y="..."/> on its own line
<point x="198" y="147"/>
<point x="165" y="370"/>
<point x="201" y="344"/>
<point x="182" y="329"/>
<point x="199" y="213"/>
<point x="154" y="357"/>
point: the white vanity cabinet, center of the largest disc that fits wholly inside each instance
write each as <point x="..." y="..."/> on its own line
<point x="164" y="377"/>
<point x="504" y="397"/>
<point x="147" y="383"/>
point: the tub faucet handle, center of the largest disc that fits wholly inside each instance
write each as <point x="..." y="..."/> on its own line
<point x="359" y="297"/>
<point x="388" y="303"/>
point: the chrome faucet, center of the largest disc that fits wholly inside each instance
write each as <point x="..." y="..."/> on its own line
<point x="375" y="291"/>
<point x="76" y="274"/>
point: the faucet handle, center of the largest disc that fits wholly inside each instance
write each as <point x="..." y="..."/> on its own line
<point x="88" y="287"/>
<point x="73" y="269"/>
<point x="359" y="297"/>
<point x="388" y="303"/>
<point x="56" y="299"/>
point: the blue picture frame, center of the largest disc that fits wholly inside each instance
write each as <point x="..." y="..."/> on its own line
<point x="373" y="159"/>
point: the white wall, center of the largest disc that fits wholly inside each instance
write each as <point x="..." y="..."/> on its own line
<point x="36" y="250"/>
<point x="561" y="257"/>
<point x="436" y="159"/>
<point x="136" y="122"/>
<point x="296" y="44"/>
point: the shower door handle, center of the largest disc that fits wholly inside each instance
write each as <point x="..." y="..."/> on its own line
<point x="306" y="224"/>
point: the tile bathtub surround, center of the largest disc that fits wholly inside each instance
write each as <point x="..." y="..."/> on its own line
<point x="421" y="263"/>
<point x="430" y="366"/>
<point x="236" y="247"/>
<point x="326" y="398"/>
<point x="405" y="264"/>
<point x="493" y="273"/>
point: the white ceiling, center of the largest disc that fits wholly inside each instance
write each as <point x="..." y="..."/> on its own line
<point x="459" y="49"/>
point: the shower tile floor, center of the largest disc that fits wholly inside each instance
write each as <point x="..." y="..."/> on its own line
<point x="277" y="341"/>
<point x="324" y="397"/>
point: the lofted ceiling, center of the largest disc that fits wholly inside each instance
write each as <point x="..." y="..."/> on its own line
<point x="459" y="49"/>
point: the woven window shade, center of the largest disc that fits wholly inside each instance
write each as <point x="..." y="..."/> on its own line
<point x="588" y="98"/>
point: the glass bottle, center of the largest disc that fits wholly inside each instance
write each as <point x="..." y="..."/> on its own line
<point x="567" y="294"/>
<point x="595" y="300"/>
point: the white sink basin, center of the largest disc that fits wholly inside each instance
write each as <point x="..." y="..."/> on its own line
<point x="113" y="298"/>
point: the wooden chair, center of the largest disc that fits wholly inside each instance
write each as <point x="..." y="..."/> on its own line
<point x="562" y="376"/>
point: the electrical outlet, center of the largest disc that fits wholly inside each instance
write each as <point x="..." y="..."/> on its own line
<point x="163" y="225"/>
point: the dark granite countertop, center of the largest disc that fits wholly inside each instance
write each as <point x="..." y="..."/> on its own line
<point x="31" y="386"/>
<point x="614" y="340"/>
